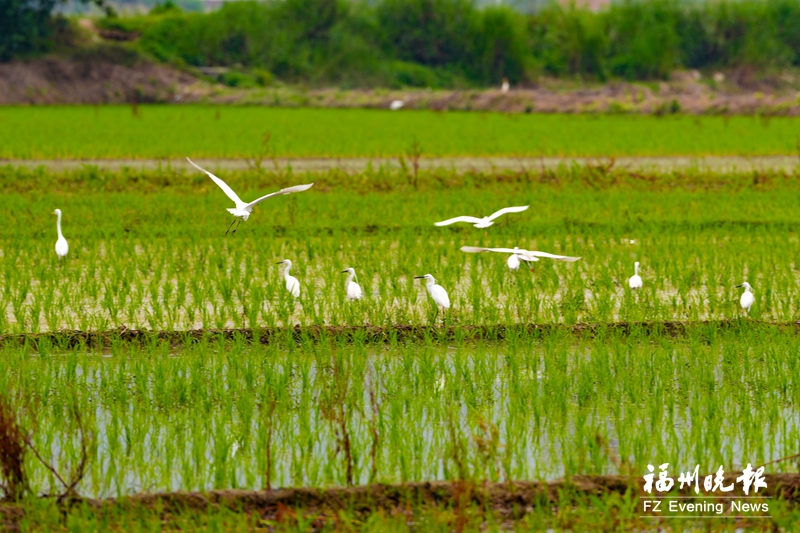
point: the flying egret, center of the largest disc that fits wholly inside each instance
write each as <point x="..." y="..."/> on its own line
<point x="353" y="289"/>
<point x="243" y="209"/>
<point x="62" y="248"/>
<point x="636" y="280"/>
<point x="529" y="256"/>
<point x="484" y="222"/>
<point x="513" y="263"/>
<point x="396" y="104"/>
<point x="747" y="298"/>
<point x="292" y="285"/>
<point x="436" y="291"/>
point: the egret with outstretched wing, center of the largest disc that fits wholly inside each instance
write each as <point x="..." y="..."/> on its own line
<point x="484" y="222"/>
<point x="243" y="209"/>
<point x="528" y="256"/>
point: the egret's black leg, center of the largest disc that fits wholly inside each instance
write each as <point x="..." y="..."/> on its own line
<point x="237" y="225"/>
<point x="229" y="227"/>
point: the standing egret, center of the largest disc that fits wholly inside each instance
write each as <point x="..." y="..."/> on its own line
<point x="243" y="209"/>
<point x="396" y="105"/>
<point x="529" y="256"/>
<point x="636" y="280"/>
<point x="292" y="285"/>
<point x="353" y="289"/>
<point x="748" y="298"/>
<point x="484" y="222"/>
<point x="436" y="291"/>
<point x="505" y="86"/>
<point x="62" y="248"/>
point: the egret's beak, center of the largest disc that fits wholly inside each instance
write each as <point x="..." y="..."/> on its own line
<point x="739" y="286"/>
<point x="280" y="262"/>
<point x="345" y="271"/>
<point x="419" y="277"/>
<point x="53" y="213"/>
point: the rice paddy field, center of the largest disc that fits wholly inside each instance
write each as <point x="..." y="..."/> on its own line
<point x="125" y="132"/>
<point x="161" y="355"/>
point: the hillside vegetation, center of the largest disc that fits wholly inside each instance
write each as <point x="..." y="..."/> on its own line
<point x="436" y="43"/>
<point x="453" y="43"/>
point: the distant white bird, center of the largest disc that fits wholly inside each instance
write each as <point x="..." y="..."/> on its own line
<point x="529" y="256"/>
<point x="396" y="104"/>
<point x="748" y="298"/>
<point x="636" y="280"/>
<point x="292" y="285"/>
<point x="436" y="291"/>
<point x="484" y="222"/>
<point x="513" y="262"/>
<point x="353" y="288"/>
<point x="505" y="87"/>
<point x="62" y="248"/>
<point x="243" y="209"/>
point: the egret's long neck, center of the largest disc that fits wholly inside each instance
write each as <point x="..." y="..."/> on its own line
<point x="58" y="226"/>
<point x="351" y="276"/>
<point x="636" y="270"/>
<point x="430" y="282"/>
<point x="286" y="271"/>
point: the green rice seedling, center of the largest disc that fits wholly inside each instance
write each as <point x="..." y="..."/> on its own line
<point x="185" y="275"/>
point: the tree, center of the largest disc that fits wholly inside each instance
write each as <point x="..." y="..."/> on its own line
<point x="26" y="26"/>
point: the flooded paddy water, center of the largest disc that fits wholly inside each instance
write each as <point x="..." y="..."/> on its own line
<point x="538" y="407"/>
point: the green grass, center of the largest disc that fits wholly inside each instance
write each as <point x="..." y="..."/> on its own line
<point x="234" y="132"/>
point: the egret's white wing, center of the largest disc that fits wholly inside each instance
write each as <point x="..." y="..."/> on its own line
<point x="288" y="190"/>
<point x="478" y="249"/>
<point x="553" y="256"/>
<point x="471" y="220"/>
<point x="222" y="185"/>
<point x="505" y="210"/>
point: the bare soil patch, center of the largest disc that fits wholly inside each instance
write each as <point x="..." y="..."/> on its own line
<point x="457" y="164"/>
<point x="89" y="81"/>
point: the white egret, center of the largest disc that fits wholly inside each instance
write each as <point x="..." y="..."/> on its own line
<point x="484" y="222"/>
<point x="505" y="86"/>
<point x="292" y="285"/>
<point x="529" y="256"/>
<point x="513" y="263"/>
<point x="396" y="104"/>
<point x="748" y="298"/>
<point x="243" y="209"/>
<point x="436" y="291"/>
<point x="636" y="280"/>
<point x="62" y="248"/>
<point x="353" y="288"/>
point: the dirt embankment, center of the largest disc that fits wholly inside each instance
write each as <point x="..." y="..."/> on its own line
<point x="113" y="74"/>
<point x="379" y="334"/>
<point x="509" y="500"/>
<point x="89" y="81"/>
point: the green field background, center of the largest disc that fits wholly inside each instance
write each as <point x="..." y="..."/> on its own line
<point x="86" y="132"/>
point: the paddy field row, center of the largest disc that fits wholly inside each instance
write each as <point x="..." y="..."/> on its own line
<point x="223" y="132"/>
